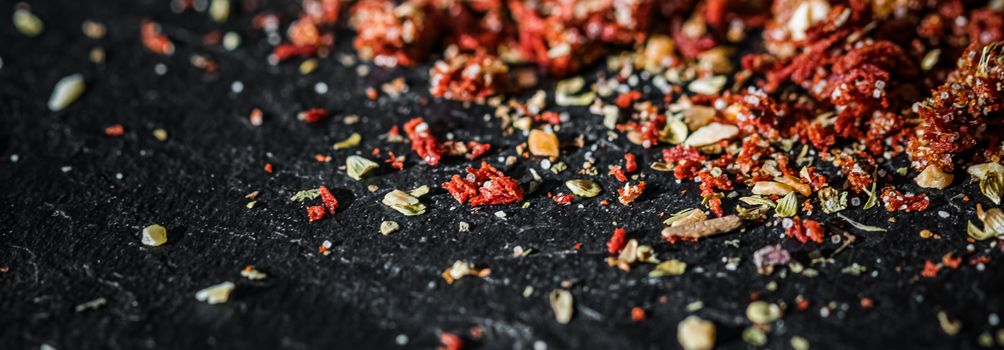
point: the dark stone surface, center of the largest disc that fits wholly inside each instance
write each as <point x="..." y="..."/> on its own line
<point x="68" y="237"/>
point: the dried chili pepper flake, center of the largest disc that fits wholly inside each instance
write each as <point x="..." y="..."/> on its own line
<point x="283" y="52"/>
<point x="617" y="241"/>
<point x="637" y="314"/>
<point x="894" y="200"/>
<point x="115" y="130"/>
<point x="563" y="198"/>
<point x="154" y="40"/>
<point x="322" y="158"/>
<point x="867" y="303"/>
<point x="630" y="163"/>
<point x="485" y="186"/>
<point x="371" y="93"/>
<point x="951" y="260"/>
<point x="618" y="173"/>
<point x="395" y="161"/>
<point x="256" y="117"/>
<point x="268" y="168"/>
<point x="329" y="199"/>
<point x="930" y="269"/>
<point x="315" y="212"/>
<point x="313" y="115"/>
<point x="450" y="342"/>
<point x="629" y="193"/>
<point x="469" y="77"/>
<point x="422" y="141"/>
<point x="806" y="231"/>
<point x="476" y="149"/>
<point x="625" y="100"/>
<point x="550" y="118"/>
<point x="802" y="304"/>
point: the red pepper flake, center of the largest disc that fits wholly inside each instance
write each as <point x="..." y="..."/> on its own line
<point x="630" y="163"/>
<point x="153" y="39"/>
<point x="477" y="149"/>
<point x="313" y="115"/>
<point x="803" y="304"/>
<point x="930" y="269"/>
<point x="450" y="342"/>
<point x="395" y="161"/>
<point x="322" y="158"/>
<point x="283" y="52"/>
<point x="563" y="199"/>
<point x="371" y="93"/>
<point x="867" y="303"/>
<point x="256" y="117"/>
<point x="617" y="241"/>
<point x="894" y="200"/>
<point x="951" y="260"/>
<point x="577" y="246"/>
<point x="268" y="168"/>
<point x="315" y="212"/>
<point x="485" y="186"/>
<point x="329" y="200"/>
<point x="637" y="314"/>
<point x="629" y="193"/>
<point x="422" y="142"/>
<point x="618" y="173"/>
<point x="550" y="117"/>
<point x="810" y="230"/>
<point x="469" y="77"/>
<point x="625" y="100"/>
<point x="115" y="130"/>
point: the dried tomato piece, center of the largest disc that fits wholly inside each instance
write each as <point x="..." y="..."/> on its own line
<point x="477" y="149"/>
<point x="617" y="241"/>
<point x="485" y="186"/>
<point x="315" y="212"/>
<point x="115" y="130"/>
<point x="329" y="200"/>
<point x="450" y="342"/>
<point x="422" y="141"/>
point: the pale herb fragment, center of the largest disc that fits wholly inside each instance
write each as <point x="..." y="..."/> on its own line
<point x="872" y="198"/>
<point x="787" y="206"/>
<point x="387" y="227"/>
<point x="26" y="22"/>
<point x="661" y="166"/>
<point x="669" y="268"/>
<point x="695" y="333"/>
<point x="762" y="312"/>
<point x="306" y="194"/>
<point x="419" y="191"/>
<point x="349" y="142"/>
<point x="675" y="131"/>
<point x="404" y="203"/>
<point x="758" y="201"/>
<point x="216" y="294"/>
<point x="832" y="200"/>
<point x="861" y="226"/>
<point x="758" y="213"/>
<point x="562" y="305"/>
<point x="992" y="185"/>
<point x="154" y="235"/>
<point x="583" y="188"/>
<point x="67" y="90"/>
<point x="678" y="216"/>
<point x="357" y="166"/>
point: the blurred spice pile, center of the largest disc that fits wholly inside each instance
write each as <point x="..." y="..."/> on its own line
<point x="752" y="97"/>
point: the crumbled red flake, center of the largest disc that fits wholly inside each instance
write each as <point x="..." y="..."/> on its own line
<point x="618" y="173"/>
<point x="951" y="260"/>
<point x="803" y="304"/>
<point x="930" y="269"/>
<point x="629" y="193"/>
<point x="371" y="93"/>
<point x="630" y="163"/>
<point x="469" y="77"/>
<point x="392" y="34"/>
<point x="810" y="230"/>
<point x="322" y="158"/>
<point x="577" y="246"/>
<point x="895" y="200"/>
<point x="625" y="100"/>
<point x="477" y="149"/>
<point x="550" y="118"/>
<point x="815" y="180"/>
<point x="154" y="40"/>
<point x="115" y="130"/>
<point x="980" y="260"/>
<point x="807" y="206"/>
<point x="687" y="160"/>
<point x="422" y="141"/>
<point x="637" y="314"/>
<point x="283" y="52"/>
<point x="867" y="303"/>
<point x="395" y="161"/>
<point x="256" y="117"/>
<point x="450" y="342"/>
<point x="563" y="198"/>
<point x="313" y="115"/>
<point x="268" y="168"/>
<point x="617" y="241"/>
<point x="315" y="212"/>
<point x="485" y="186"/>
<point x="329" y="200"/>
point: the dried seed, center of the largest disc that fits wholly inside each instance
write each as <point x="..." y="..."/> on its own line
<point x="787" y="206"/>
<point x="799" y="343"/>
<point x="357" y="166"/>
<point x="231" y="41"/>
<point x="675" y="131"/>
<point x="216" y="294"/>
<point x="705" y="228"/>
<point x="711" y="134"/>
<point x="980" y="171"/>
<point x="754" y="336"/>
<point x="933" y="177"/>
<point x="306" y="194"/>
<point x="562" y="305"/>
<point x="93" y="304"/>
<point x="160" y="134"/>
<point x="26" y="22"/>
<point x="758" y="201"/>
<point x="761" y="312"/>
<point x="583" y="188"/>
<point x="543" y="143"/>
<point x="695" y="333"/>
<point x="951" y="327"/>
<point x="67" y="90"/>
<point x="93" y="30"/>
<point x="669" y="268"/>
<point x="686" y="217"/>
<point x="154" y="235"/>
<point x="351" y="141"/>
<point x="930" y="59"/>
<point x="698" y="116"/>
<point x="387" y="227"/>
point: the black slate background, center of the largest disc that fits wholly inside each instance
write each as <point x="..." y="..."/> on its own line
<point x="70" y="237"/>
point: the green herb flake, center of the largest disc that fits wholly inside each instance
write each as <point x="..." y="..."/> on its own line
<point x="787" y="206"/>
<point x="351" y="141"/>
<point x="669" y="268"/>
<point x="358" y="166"/>
<point x="583" y="188"/>
<point x="861" y="226"/>
<point x="306" y="194"/>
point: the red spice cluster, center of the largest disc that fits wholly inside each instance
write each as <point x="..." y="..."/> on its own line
<point x="316" y="212"/>
<point x="422" y="141"/>
<point x="469" y="77"/>
<point x="895" y="200"/>
<point x="805" y="231"/>
<point x="485" y="186"/>
<point x="617" y="241"/>
<point x="392" y="34"/>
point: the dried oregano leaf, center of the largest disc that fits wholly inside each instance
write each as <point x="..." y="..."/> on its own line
<point x="758" y="201"/>
<point x="306" y="194"/>
<point x="583" y="188"/>
<point x="832" y="200"/>
<point x="678" y="216"/>
<point x="872" y="198"/>
<point x="669" y="268"/>
<point x="562" y="305"/>
<point x="787" y="206"/>
<point x="757" y="213"/>
<point x="352" y="141"/>
<point x="357" y="166"/>
<point x="861" y="226"/>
